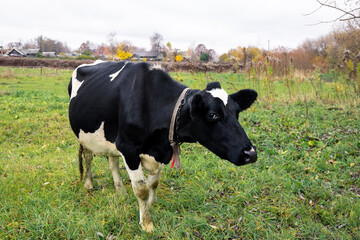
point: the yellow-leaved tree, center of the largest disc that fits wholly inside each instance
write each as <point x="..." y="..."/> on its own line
<point x="178" y="58"/>
<point x="236" y="54"/>
<point x="124" y="51"/>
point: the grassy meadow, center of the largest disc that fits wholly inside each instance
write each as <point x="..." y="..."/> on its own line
<point x="305" y="184"/>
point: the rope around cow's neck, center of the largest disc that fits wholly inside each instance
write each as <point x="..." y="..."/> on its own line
<point x="176" y="145"/>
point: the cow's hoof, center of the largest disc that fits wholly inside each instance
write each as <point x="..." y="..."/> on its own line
<point x="121" y="192"/>
<point x="119" y="188"/>
<point x="88" y="185"/>
<point x="148" y="227"/>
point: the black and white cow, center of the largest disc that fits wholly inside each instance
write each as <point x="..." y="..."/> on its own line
<point x="128" y="109"/>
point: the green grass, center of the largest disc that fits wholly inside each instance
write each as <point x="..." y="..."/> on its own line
<point x="305" y="184"/>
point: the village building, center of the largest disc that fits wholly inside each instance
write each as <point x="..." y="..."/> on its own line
<point x="49" y="54"/>
<point x="150" y="56"/>
<point x="33" y="52"/>
<point x="16" y="53"/>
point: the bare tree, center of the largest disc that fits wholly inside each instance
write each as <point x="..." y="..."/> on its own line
<point x="156" y="43"/>
<point x="212" y="54"/>
<point x="113" y="43"/>
<point x="87" y="46"/>
<point x="14" y="45"/>
<point x="200" y="49"/>
<point x="49" y="45"/>
<point x="350" y="10"/>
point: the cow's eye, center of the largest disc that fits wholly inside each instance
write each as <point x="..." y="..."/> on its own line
<point x="213" y="116"/>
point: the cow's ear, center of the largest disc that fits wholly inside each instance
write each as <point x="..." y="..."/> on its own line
<point x="244" y="98"/>
<point x="196" y="104"/>
<point x="212" y="85"/>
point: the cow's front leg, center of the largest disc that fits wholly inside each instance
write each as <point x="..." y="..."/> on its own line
<point x="153" y="182"/>
<point x="141" y="191"/>
<point x="114" y="167"/>
<point x="154" y="170"/>
<point x="88" y="181"/>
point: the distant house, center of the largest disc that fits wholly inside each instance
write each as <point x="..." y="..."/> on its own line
<point x="75" y="54"/>
<point x="33" y="52"/>
<point x="16" y="53"/>
<point x="2" y="51"/>
<point x="151" y="56"/>
<point x="49" y="54"/>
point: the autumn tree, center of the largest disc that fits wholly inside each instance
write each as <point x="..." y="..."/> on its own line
<point x="236" y="54"/>
<point x="100" y="50"/>
<point x="87" y="46"/>
<point x="200" y="49"/>
<point x="254" y="53"/>
<point x="204" y="54"/>
<point x="190" y="54"/>
<point x="341" y="39"/>
<point x="224" y="58"/>
<point x="178" y="58"/>
<point x="168" y="52"/>
<point x="302" y="58"/>
<point x="125" y="51"/>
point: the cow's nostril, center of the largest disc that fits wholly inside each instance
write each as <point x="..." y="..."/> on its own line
<point x="250" y="155"/>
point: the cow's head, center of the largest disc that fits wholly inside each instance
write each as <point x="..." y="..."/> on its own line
<point x="214" y="123"/>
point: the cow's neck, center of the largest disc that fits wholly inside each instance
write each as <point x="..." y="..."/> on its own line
<point x="182" y="132"/>
<point x="174" y="131"/>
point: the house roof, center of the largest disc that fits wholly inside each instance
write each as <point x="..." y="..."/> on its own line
<point x="20" y="52"/>
<point x="146" y="54"/>
<point x="33" y="51"/>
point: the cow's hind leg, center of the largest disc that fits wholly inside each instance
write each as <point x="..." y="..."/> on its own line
<point x="80" y="161"/>
<point x="88" y="181"/>
<point x="114" y="167"/>
<point x="141" y="191"/>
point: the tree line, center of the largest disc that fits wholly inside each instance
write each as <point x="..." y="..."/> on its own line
<point x="338" y="49"/>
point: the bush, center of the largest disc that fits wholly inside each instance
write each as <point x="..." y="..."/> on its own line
<point x="87" y="52"/>
<point x="83" y="57"/>
<point x="205" y="57"/>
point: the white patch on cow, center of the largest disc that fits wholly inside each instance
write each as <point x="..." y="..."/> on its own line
<point x="135" y="175"/>
<point x="97" y="143"/>
<point x="75" y="83"/>
<point x="150" y="164"/>
<point x="156" y="67"/>
<point x="219" y="93"/>
<point x="114" y="75"/>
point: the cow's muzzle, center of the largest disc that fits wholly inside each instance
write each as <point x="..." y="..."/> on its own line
<point x="250" y="155"/>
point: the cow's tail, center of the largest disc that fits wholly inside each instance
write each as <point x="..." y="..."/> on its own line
<point x="81" y="168"/>
<point x="70" y="87"/>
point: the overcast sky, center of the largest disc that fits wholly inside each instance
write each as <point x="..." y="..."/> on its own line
<point x="220" y="25"/>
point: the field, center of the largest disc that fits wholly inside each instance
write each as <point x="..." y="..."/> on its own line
<point x="305" y="184"/>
